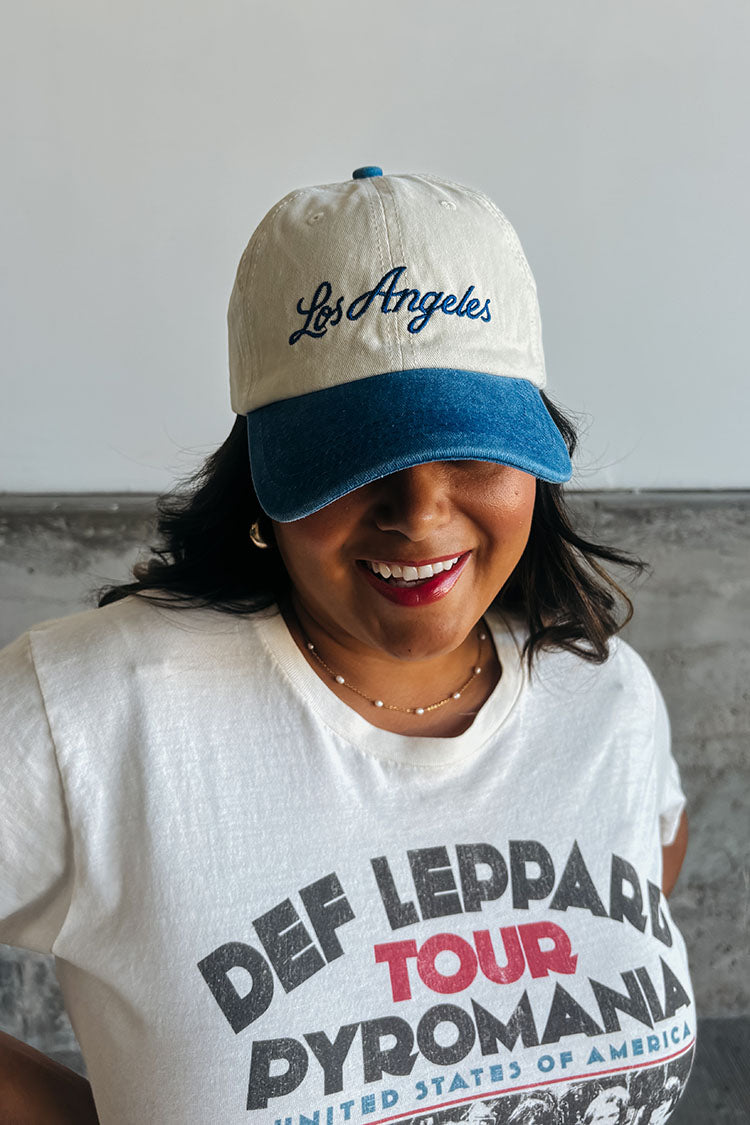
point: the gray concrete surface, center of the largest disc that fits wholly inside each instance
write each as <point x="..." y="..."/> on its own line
<point x="691" y="625"/>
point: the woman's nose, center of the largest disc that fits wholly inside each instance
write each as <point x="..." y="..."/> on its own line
<point x="415" y="501"/>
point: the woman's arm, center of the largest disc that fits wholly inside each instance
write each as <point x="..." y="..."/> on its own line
<point x="35" y="1090"/>
<point x="673" y="856"/>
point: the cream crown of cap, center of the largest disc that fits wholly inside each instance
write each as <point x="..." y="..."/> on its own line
<point x="401" y="303"/>
<point x="326" y="254"/>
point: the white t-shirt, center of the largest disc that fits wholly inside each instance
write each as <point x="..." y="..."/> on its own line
<point x="265" y="909"/>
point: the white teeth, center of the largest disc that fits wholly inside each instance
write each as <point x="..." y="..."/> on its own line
<point x="411" y="573"/>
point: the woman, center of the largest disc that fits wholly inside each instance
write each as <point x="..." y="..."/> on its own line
<point x="610" y="1107"/>
<point x="352" y="805"/>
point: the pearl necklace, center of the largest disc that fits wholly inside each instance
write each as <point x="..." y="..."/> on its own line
<point x="388" y="706"/>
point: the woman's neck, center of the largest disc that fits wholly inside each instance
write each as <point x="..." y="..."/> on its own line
<point x="401" y="685"/>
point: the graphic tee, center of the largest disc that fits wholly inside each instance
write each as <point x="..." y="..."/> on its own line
<point x="265" y="909"/>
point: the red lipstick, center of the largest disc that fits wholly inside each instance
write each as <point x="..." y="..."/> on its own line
<point x="425" y="592"/>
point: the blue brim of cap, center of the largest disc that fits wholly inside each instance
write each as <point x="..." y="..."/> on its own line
<point x="307" y="451"/>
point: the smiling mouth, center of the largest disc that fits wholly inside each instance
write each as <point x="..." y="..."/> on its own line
<point x="406" y="575"/>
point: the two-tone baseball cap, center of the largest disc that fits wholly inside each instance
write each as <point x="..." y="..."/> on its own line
<point x="384" y="322"/>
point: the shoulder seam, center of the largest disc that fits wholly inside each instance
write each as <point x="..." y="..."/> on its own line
<point x="63" y="788"/>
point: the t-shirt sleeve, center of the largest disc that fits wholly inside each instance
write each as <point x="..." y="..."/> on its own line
<point x="670" y="796"/>
<point x="35" y="844"/>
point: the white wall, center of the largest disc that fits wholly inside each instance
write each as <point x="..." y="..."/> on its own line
<point x="146" y="139"/>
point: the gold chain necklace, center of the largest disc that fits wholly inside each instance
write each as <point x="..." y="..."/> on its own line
<point x="476" y="670"/>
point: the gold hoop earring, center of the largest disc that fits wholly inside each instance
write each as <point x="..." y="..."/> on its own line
<point x="255" y="536"/>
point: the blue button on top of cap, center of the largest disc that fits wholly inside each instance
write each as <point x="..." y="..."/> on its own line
<point x="369" y="170"/>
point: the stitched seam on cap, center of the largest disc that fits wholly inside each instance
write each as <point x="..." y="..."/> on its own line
<point x="260" y="236"/>
<point x="512" y="237"/>
<point x="412" y="344"/>
<point x="393" y="331"/>
<point x="487" y="203"/>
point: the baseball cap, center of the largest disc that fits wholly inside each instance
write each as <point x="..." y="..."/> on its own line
<point x="379" y="323"/>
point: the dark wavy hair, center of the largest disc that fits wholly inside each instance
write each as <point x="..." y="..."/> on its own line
<point x="205" y="557"/>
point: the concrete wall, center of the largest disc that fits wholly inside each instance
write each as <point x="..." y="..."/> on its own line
<point x="692" y="625"/>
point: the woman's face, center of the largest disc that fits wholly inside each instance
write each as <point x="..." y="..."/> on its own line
<point x="475" y="511"/>
<point x="605" y="1111"/>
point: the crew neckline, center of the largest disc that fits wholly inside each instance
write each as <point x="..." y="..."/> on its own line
<point x="413" y="750"/>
